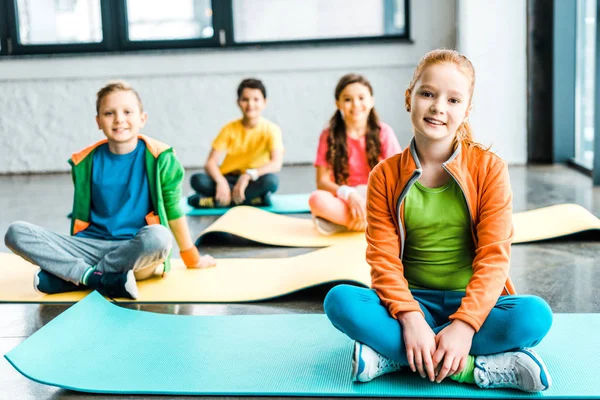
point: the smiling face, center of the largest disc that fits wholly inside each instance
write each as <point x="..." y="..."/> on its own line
<point x="439" y="102"/>
<point x="355" y="102"/>
<point x="120" y="117"/>
<point x="252" y="103"/>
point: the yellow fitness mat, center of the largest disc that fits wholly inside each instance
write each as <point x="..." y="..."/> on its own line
<point x="554" y="222"/>
<point x="268" y="228"/>
<point x="232" y="280"/>
<point x="263" y="227"/>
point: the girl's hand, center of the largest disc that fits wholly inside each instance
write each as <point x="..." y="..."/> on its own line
<point x="239" y="189"/>
<point x="419" y="340"/>
<point x="358" y="212"/>
<point x="223" y="193"/>
<point x="453" y="346"/>
<point x="205" y="261"/>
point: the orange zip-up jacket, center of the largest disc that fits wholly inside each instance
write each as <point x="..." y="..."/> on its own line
<point x="483" y="179"/>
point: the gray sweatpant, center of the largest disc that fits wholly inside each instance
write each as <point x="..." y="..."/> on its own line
<point x="68" y="257"/>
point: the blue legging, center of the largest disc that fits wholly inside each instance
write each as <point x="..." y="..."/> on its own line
<point x="515" y="322"/>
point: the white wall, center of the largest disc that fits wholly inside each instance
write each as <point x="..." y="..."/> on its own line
<point x="47" y="103"/>
<point x="493" y="35"/>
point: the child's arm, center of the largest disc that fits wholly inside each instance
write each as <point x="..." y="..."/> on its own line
<point x="324" y="181"/>
<point x="189" y="253"/>
<point x="356" y="203"/>
<point x="275" y="148"/>
<point x="171" y="176"/>
<point x="324" y="171"/>
<point x="272" y="166"/>
<point x="383" y="250"/>
<point x="212" y="165"/>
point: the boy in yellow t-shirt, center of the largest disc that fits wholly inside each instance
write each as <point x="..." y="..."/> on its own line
<point x="253" y="151"/>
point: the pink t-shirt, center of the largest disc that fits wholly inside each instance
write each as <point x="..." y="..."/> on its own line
<point x="358" y="165"/>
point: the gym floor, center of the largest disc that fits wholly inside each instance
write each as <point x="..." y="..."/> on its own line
<point x="562" y="272"/>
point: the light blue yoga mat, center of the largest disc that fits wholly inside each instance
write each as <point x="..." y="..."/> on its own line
<point x="98" y="347"/>
<point x="282" y="204"/>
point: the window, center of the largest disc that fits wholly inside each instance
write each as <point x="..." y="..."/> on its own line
<point x="585" y="83"/>
<point x="59" y="21"/>
<point x="291" y="20"/>
<point x="59" y="26"/>
<point x="176" y="19"/>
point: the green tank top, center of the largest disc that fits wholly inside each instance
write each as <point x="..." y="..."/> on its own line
<point x="439" y="249"/>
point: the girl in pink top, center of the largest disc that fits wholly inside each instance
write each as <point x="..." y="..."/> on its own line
<point x="353" y="143"/>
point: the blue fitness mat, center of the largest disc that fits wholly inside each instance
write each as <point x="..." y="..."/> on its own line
<point x="96" y="346"/>
<point x="282" y="204"/>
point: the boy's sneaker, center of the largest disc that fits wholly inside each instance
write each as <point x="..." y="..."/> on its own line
<point x="327" y="228"/>
<point x="367" y="364"/>
<point x="199" y="201"/>
<point x="266" y="199"/>
<point x="263" y="201"/>
<point x="45" y="282"/>
<point x="114" y="284"/>
<point x="522" y="369"/>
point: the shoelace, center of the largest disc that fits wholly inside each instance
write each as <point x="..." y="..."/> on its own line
<point x="503" y="375"/>
<point x="385" y="364"/>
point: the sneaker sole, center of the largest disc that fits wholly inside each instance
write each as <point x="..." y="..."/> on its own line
<point x="355" y="362"/>
<point x="319" y="229"/>
<point x="545" y="377"/>
<point x="36" y="281"/>
<point x="131" y="285"/>
<point x="358" y="365"/>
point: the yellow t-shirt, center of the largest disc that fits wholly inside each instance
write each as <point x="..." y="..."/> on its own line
<point x="247" y="148"/>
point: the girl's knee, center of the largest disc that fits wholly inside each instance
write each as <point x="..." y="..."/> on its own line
<point x="535" y="319"/>
<point x="339" y="304"/>
<point x="539" y="313"/>
<point x="318" y="200"/>
<point x="333" y="299"/>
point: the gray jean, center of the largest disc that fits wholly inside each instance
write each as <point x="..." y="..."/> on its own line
<point x="68" y="257"/>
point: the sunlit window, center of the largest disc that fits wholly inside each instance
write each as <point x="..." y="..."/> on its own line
<point x="169" y="20"/>
<point x="276" y="20"/>
<point x="59" y="21"/>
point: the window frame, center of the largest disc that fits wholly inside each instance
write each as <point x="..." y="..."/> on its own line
<point x="4" y="44"/>
<point x="115" y="33"/>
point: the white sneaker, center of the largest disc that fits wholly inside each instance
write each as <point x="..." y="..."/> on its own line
<point x="327" y="228"/>
<point x="367" y="364"/>
<point x="36" y="281"/>
<point x="522" y="369"/>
